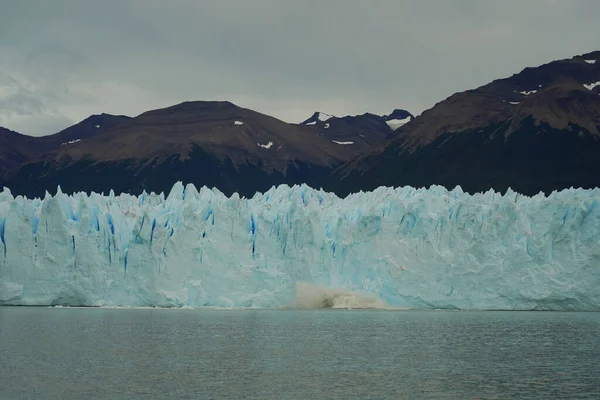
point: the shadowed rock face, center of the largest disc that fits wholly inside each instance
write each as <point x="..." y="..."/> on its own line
<point x="538" y="130"/>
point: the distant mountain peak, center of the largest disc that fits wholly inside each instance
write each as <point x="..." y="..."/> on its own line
<point x="194" y="107"/>
<point x="397" y="118"/>
<point x="317" y="117"/>
<point x="398" y="114"/>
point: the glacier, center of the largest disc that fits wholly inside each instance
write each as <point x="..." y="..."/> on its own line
<point x="403" y="247"/>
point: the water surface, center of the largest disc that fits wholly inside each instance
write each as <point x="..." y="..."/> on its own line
<point x="65" y="353"/>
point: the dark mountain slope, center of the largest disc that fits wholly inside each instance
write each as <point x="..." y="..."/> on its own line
<point x="17" y="149"/>
<point x="14" y="149"/>
<point x="538" y="130"/>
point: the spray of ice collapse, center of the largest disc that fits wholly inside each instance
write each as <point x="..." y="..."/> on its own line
<point x="316" y="296"/>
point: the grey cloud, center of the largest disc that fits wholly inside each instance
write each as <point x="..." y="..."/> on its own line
<point x="21" y="104"/>
<point x="282" y="57"/>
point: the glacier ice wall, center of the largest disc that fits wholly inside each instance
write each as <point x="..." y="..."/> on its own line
<point x="429" y="248"/>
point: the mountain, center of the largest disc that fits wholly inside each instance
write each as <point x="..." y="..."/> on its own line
<point x="89" y="127"/>
<point x="17" y="149"/>
<point x="398" y="118"/>
<point x="364" y="132"/>
<point x="216" y="144"/>
<point x="316" y="118"/>
<point x="538" y="130"/>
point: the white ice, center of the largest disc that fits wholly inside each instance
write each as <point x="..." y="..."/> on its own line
<point x="590" y="61"/>
<point x="405" y="247"/>
<point x="397" y="123"/>
<point x="590" y="86"/>
<point x="238" y="123"/>
<point x="324" y="117"/>
<point x="312" y="123"/>
<point x="528" y="92"/>
<point x="97" y="126"/>
<point x="514" y="102"/>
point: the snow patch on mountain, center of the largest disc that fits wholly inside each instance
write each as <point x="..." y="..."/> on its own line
<point x="71" y="142"/>
<point x="343" y="143"/>
<point x="324" y="117"/>
<point x="266" y="146"/>
<point x="318" y="117"/>
<point x="590" y="86"/>
<point x="397" y="123"/>
<point x="528" y="92"/>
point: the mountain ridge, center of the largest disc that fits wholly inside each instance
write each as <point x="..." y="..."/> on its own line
<point x="491" y="136"/>
<point x="213" y="143"/>
<point x="536" y="130"/>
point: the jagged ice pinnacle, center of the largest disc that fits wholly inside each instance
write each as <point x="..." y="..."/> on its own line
<point x="428" y="248"/>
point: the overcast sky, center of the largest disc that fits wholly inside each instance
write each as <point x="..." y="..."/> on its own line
<point x="63" y="60"/>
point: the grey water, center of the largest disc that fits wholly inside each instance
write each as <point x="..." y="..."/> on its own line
<point x="53" y="353"/>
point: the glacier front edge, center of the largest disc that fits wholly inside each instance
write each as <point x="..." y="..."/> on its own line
<point x="422" y="248"/>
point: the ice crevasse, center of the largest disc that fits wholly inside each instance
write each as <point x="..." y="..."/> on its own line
<point x="407" y="247"/>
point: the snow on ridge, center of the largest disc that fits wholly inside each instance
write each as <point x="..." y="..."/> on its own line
<point x="590" y="61"/>
<point x="317" y="117"/>
<point x="344" y="143"/>
<point x="97" y="126"/>
<point x="265" y="146"/>
<point x="397" y="123"/>
<point x="528" y="92"/>
<point x="323" y="117"/>
<point x="238" y="123"/>
<point x="70" y="142"/>
<point x="590" y="86"/>
<point x="514" y="102"/>
<point x="326" y="126"/>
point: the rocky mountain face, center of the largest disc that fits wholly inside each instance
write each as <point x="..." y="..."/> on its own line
<point x="216" y="144"/>
<point x="538" y="130"/>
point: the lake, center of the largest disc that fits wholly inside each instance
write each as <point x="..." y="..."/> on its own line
<point x="89" y="353"/>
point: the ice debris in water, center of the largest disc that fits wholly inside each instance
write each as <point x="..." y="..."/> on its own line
<point x="407" y="247"/>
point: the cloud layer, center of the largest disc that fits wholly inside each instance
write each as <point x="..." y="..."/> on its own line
<point x="66" y="59"/>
